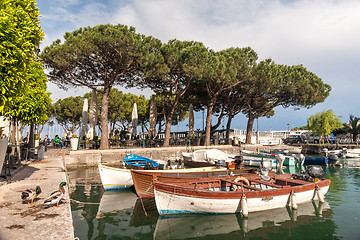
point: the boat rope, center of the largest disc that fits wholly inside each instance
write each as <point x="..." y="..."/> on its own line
<point x="76" y="201"/>
<point x="143" y="207"/>
<point x="141" y="197"/>
<point x="151" y="184"/>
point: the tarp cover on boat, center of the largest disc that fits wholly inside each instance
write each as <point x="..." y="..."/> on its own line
<point x="209" y="155"/>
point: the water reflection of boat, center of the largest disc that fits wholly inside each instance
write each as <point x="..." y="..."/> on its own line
<point x="144" y="213"/>
<point x="116" y="200"/>
<point x="191" y="226"/>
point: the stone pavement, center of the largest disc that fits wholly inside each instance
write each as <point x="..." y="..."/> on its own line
<point x="22" y="221"/>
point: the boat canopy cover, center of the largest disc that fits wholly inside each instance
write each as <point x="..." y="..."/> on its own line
<point x="211" y="156"/>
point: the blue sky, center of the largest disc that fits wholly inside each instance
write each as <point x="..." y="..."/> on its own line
<point x="323" y="35"/>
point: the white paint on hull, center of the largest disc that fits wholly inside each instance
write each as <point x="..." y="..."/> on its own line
<point x="168" y="203"/>
<point x="115" y="178"/>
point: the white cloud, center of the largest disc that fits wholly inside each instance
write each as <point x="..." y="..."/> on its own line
<point x="322" y="34"/>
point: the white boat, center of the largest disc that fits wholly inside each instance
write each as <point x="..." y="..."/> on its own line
<point x="115" y="178"/>
<point x="207" y="157"/>
<point x="224" y="195"/>
<point x="251" y="158"/>
<point x="350" y="153"/>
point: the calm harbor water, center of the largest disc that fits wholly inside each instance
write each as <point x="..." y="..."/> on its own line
<point x="100" y="214"/>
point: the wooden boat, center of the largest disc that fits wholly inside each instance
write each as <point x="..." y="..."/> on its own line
<point x="224" y="195"/>
<point x="118" y="178"/>
<point x="143" y="180"/>
<point x="138" y="162"/>
<point x="251" y="158"/>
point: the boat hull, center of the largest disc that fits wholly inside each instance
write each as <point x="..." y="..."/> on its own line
<point x="183" y="201"/>
<point x="316" y="160"/>
<point x="255" y="160"/>
<point x="115" y="178"/>
<point x="143" y="180"/>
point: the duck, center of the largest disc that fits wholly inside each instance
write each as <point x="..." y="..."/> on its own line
<point x="56" y="196"/>
<point x="30" y="194"/>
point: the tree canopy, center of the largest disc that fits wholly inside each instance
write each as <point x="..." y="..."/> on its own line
<point x="100" y="57"/>
<point x="20" y="36"/>
<point x="324" y="122"/>
<point x="353" y="127"/>
<point x="68" y="112"/>
<point x="223" y="71"/>
<point x="225" y="82"/>
<point x="275" y="85"/>
<point x="180" y="69"/>
<point x="33" y="104"/>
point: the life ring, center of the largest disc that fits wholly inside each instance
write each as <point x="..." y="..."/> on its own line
<point x="239" y="178"/>
<point x="234" y="187"/>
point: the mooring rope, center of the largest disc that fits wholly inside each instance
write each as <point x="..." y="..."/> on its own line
<point x="76" y="201"/>
<point x="141" y="197"/>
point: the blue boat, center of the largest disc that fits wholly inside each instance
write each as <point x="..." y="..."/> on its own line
<point x="138" y="162"/>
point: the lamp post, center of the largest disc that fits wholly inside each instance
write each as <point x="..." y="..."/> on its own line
<point x="288" y="129"/>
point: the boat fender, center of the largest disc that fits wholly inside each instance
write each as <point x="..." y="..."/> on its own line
<point x="319" y="194"/>
<point x="293" y="200"/>
<point x="244" y="206"/>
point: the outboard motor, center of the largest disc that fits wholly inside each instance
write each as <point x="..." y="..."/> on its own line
<point x="325" y="151"/>
<point x="314" y="171"/>
<point x="238" y="161"/>
<point x="333" y="157"/>
<point x="265" y="167"/>
<point x="343" y="152"/>
<point x="266" y="163"/>
<point x="280" y="158"/>
<point x="149" y="166"/>
<point x="300" y="158"/>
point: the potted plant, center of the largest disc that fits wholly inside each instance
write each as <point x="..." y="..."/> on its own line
<point x="87" y="143"/>
<point x="74" y="142"/>
<point x="37" y="140"/>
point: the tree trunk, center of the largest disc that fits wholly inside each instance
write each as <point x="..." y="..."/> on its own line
<point x="250" y="124"/>
<point x="228" y="125"/>
<point x="13" y="142"/>
<point x="167" y="132"/>
<point x="208" y="123"/>
<point x="104" y="140"/>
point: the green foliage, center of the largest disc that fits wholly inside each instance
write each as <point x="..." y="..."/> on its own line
<point x="275" y="85"/>
<point x="68" y="112"/>
<point x="102" y="56"/>
<point x="172" y="80"/>
<point x="324" y="122"/>
<point x="20" y="35"/>
<point x="301" y="128"/>
<point x="32" y="105"/>
<point x="353" y="127"/>
<point x="121" y="106"/>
